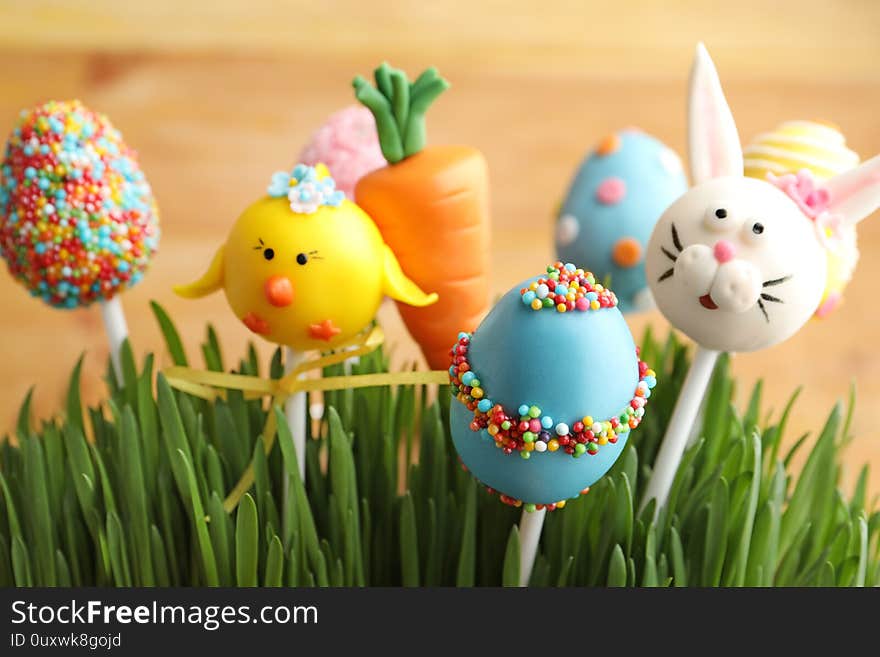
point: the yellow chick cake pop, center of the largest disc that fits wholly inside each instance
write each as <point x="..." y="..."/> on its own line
<point x="304" y="267"/>
<point x="820" y="149"/>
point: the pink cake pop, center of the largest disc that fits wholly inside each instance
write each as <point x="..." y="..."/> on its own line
<point x="348" y="145"/>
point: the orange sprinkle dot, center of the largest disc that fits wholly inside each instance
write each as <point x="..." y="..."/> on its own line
<point x="609" y="144"/>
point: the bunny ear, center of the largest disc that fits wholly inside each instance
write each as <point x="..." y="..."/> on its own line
<point x="856" y="193"/>
<point x="713" y="141"/>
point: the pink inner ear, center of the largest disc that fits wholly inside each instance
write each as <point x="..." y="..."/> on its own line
<point x="845" y="191"/>
<point x="713" y="118"/>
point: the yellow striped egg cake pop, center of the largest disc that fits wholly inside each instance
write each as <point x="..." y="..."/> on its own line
<point x="819" y="148"/>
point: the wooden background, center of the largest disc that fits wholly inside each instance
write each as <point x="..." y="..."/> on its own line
<point x="218" y="95"/>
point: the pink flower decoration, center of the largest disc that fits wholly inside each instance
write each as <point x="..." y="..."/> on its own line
<point x="802" y="189"/>
<point x="813" y="202"/>
<point x="348" y="144"/>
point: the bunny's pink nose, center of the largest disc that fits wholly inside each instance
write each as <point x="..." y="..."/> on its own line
<point x="724" y="251"/>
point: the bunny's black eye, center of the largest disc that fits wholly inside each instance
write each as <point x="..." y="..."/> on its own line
<point x="757" y="228"/>
<point x="721" y="213"/>
<point x="301" y="258"/>
<point x="268" y="254"/>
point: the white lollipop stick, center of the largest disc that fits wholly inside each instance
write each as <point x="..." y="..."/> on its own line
<point x="680" y="425"/>
<point x="295" y="410"/>
<point x="530" y="526"/>
<point x="117" y="332"/>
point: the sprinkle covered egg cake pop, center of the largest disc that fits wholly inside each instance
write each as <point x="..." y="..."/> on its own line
<point x="78" y="222"/>
<point x="547" y="389"/>
<point x="620" y="190"/>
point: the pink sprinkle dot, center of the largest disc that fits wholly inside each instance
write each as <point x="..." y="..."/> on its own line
<point x="611" y="191"/>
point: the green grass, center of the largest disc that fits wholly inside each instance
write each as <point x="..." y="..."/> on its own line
<point x="142" y="504"/>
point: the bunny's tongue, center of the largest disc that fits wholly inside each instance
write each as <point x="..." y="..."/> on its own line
<point x="707" y="302"/>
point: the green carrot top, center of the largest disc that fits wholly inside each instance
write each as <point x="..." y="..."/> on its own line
<point x="399" y="107"/>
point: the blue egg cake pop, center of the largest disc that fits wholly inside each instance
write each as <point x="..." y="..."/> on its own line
<point x="616" y="197"/>
<point x="548" y="388"/>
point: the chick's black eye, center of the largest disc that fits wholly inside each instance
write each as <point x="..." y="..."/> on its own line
<point x="757" y="228"/>
<point x="721" y="213"/>
<point x="268" y="254"/>
<point x="302" y="258"/>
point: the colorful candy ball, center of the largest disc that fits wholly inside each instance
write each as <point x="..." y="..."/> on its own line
<point x="547" y="389"/>
<point x="348" y="145"/>
<point x="618" y="193"/>
<point x="78" y="222"/>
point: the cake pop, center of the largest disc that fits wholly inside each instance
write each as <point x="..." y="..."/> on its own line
<point x="819" y="149"/>
<point x="620" y="190"/>
<point x="739" y="264"/>
<point x="78" y="221"/>
<point x="431" y="204"/>
<point x="306" y="268"/>
<point x="547" y="390"/>
<point x="348" y="145"/>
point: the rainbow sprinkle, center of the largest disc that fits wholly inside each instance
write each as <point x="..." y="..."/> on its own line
<point x="529" y="430"/>
<point x="567" y="288"/>
<point x="78" y="222"/>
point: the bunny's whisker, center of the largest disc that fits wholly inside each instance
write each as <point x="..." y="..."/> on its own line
<point x="768" y="297"/>
<point x="675" y="240"/>
<point x="775" y="281"/>
<point x="668" y="254"/>
<point x="667" y="274"/>
<point x="763" y="310"/>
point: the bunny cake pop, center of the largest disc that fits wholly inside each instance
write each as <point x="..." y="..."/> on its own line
<point x="737" y="263"/>
<point x="78" y="222"/>
<point x="813" y="152"/>
<point x="348" y="144"/>
<point x="620" y="190"/>
<point x="305" y="267"/>
<point x="547" y="389"/>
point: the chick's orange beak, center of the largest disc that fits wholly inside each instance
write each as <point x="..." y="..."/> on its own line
<point x="279" y="291"/>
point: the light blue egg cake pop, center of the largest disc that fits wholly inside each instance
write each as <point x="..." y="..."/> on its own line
<point x="547" y="389"/>
<point x="616" y="197"/>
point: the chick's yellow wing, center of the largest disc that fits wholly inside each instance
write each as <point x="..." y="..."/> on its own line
<point x="211" y="280"/>
<point x="400" y="288"/>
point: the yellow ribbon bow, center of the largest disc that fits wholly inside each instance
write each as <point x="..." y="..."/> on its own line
<point x="211" y="385"/>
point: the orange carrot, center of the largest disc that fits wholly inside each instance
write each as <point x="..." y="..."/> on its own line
<point x="432" y="208"/>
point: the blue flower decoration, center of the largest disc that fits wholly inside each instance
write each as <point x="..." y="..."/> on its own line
<point x="305" y="190"/>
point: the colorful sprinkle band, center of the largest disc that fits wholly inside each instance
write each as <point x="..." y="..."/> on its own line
<point x="78" y="222"/>
<point x="305" y="189"/>
<point x="567" y="288"/>
<point x="529" y="430"/>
